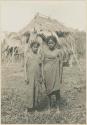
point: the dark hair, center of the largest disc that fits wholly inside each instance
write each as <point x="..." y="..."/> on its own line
<point x="27" y="34"/>
<point x="32" y="43"/>
<point x="42" y="36"/>
<point x="52" y="38"/>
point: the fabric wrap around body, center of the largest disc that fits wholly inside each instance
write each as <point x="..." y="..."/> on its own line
<point x="34" y="77"/>
<point x="52" y="72"/>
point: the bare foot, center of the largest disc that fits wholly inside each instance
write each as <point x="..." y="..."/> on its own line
<point x="48" y="111"/>
<point x="26" y="115"/>
<point x="58" y="110"/>
<point x="36" y="113"/>
<point x="26" y="111"/>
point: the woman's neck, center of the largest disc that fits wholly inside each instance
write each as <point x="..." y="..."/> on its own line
<point x="34" y="53"/>
<point x="52" y="49"/>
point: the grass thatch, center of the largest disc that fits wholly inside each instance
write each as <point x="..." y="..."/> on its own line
<point x="44" y="23"/>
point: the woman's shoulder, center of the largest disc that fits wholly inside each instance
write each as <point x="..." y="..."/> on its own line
<point x="56" y="51"/>
<point x="29" y="54"/>
<point x="59" y="52"/>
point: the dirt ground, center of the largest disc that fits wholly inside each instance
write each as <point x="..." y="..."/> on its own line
<point x="73" y="98"/>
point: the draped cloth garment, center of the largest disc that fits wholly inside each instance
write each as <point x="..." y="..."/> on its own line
<point x="33" y="75"/>
<point x="52" y="70"/>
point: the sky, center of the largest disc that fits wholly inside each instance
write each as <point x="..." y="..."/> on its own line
<point x="15" y="15"/>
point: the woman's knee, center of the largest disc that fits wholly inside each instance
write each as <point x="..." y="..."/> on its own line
<point x="58" y="94"/>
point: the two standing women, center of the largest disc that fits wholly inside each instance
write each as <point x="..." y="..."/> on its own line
<point x="52" y="70"/>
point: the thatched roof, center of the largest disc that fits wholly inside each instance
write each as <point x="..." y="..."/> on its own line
<point x="45" y="26"/>
<point x="13" y="40"/>
<point x="44" y="23"/>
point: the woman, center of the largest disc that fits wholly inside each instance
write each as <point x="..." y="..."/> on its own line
<point x="52" y="70"/>
<point x="33" y="76"/>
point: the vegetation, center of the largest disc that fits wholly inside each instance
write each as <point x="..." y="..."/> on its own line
<point x="73" y="98"/>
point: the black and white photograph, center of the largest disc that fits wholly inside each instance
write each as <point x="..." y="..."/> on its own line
<point x="43" y="61"/>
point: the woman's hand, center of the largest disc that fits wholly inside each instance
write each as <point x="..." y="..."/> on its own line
<point x="27" y="82"/>
<point x="61" y="81"/>
<point x="58" y="55"/>
<point x="42" y="81"/>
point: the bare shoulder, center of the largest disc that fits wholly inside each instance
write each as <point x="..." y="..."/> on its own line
<point x="60" y="53"/>
<point x="28" y="55"/>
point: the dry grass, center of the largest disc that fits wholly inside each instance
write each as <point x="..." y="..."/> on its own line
<point x="73" y="98"/>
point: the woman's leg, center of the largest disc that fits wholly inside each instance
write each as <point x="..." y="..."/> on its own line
<point x="36" y="98"/>
<point x="26" y="114"/>
<point x="49" y="105"/>
<point x="49" y="96"/>
<point x="58" y="99"/>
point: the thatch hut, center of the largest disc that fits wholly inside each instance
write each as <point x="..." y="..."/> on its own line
<point x="45" y="26"/>
<point x="14" y="45"/>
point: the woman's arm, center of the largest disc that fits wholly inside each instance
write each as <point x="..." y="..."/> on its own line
<point x="61" y="66"/>
<point x="42" y="65"/>
<point x="25" y="69"/>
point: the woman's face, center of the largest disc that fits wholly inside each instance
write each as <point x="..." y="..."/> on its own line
<point x="51" y="44"/>
<point x="35" y="48"/>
